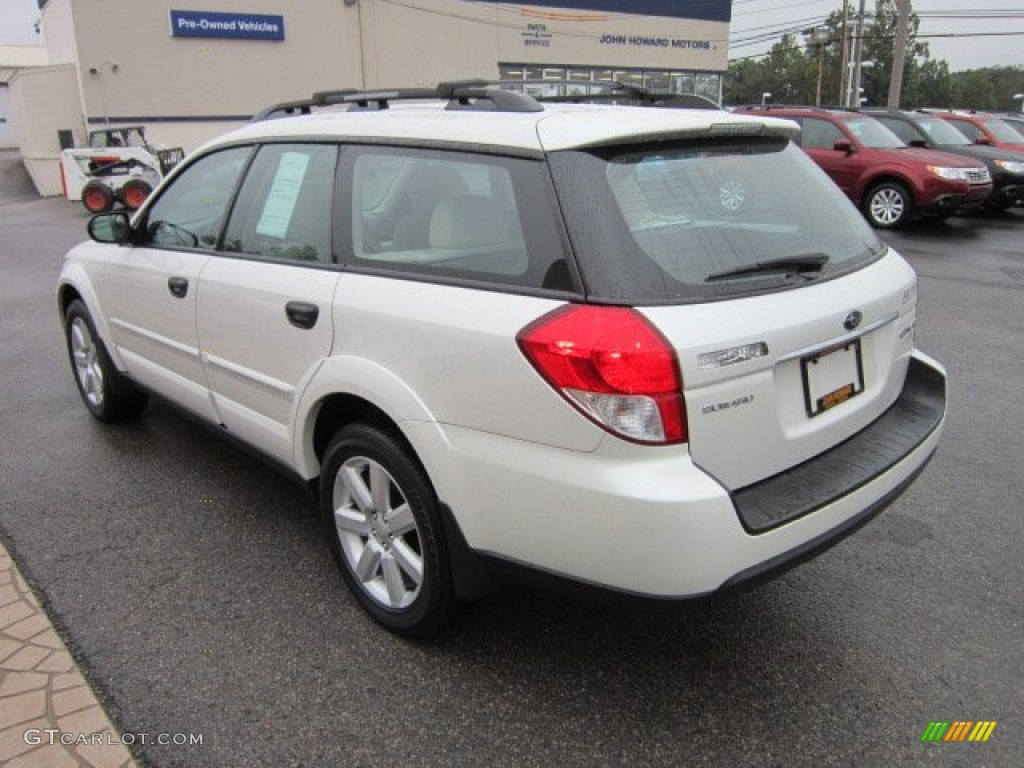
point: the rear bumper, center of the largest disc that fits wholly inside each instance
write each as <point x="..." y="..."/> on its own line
<point x="870" y="453"/>
<point x="648" y="523"/>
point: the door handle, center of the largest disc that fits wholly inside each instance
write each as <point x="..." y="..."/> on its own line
<point x="178" y="286"/>
<point x="302" y="314"/>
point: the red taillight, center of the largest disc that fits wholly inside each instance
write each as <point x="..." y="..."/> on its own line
<point x="613" y="365"/>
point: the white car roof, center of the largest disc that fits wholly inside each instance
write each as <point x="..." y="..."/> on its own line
<point x="556" y="127"/>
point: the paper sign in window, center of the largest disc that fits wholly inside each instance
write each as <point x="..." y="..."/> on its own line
<point x="280" y="204"/>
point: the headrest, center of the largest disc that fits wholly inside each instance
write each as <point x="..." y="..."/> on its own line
<point x="467" y="221"/>
<point x="430" y="183"/>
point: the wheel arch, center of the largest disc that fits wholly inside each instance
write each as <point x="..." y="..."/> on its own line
<point x="348" y="389"/>
<point x="336" y="397"/>
<point x="74" y="284"/>
<point x="889" y="176"/>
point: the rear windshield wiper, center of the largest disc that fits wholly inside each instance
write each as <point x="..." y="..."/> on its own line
<point x="808" y="262"/>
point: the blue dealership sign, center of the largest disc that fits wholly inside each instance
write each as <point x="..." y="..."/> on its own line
<point x="237" y="26"/>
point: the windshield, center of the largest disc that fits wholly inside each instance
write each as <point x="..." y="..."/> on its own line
<point x="1004" y="132"/>
<point x="941" y="132"/>
<point x="701" y="220"/>
<point x="871" y="133"/>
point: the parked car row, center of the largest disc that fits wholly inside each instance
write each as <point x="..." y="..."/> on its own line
<point x="896" y="165"/>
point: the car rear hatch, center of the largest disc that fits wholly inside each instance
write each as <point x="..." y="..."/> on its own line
<point x="774" y="380"/>
<point x="792" y="323"/>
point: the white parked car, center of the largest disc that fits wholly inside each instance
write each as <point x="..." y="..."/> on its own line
<point x="647" y="351"/>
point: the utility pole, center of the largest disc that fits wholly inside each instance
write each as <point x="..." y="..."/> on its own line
<point x="858" y="56"/>
<point x="842" y="60"/>
<point x="899" y="56"/>
<point x="821" y="69"/>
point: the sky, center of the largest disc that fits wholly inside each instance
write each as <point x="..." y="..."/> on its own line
<point x="752" y="19"/>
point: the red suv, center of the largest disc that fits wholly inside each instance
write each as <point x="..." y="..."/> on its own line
<point x="988" y="130"/>
<point x="890" y="181"/>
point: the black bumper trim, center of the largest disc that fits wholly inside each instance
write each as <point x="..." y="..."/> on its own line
<point x="852" y="464"/>
<point x="776" y="566"/>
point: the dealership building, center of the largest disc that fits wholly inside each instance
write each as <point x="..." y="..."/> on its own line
<point x="191" y="69"/>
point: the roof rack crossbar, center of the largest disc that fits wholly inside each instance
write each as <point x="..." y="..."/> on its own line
<point x="460" y="94"/>
<point x="608" y="91"/>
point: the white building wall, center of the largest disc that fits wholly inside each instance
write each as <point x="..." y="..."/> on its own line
<point x="43" y="101"/>
<point x="8" y="139"/>
<point x="128" y="68"/>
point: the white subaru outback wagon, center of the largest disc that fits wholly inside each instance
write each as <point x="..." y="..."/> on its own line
<point x="648" y="351"/>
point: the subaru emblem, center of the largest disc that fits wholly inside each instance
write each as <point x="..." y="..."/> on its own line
<point x="853" y="320"/>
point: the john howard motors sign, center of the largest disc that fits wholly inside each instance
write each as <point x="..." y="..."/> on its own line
<point x="238" y="26"/>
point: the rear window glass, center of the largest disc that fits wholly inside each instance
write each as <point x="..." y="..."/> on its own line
<point x="669" y="223"/>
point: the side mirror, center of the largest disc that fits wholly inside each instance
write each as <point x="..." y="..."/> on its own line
<point x="113" y="228"/>
<point x="919" y="143"/>
<point x="985" y="141"/>
<point x="842" y="145"/>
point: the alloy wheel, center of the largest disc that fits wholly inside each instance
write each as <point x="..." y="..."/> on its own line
<point x="887" y="206"/>
<point x="87" y="362"/>
<point x="378" y="533"/>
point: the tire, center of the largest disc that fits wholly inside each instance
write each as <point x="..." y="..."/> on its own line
<point x="888" y="205"/>
<point x="107" y="395"/>
<point x="381" y="515"/>
<point x="97" y="197"/>
<point x="998" y="206"/>
<point x="133" y="193"/>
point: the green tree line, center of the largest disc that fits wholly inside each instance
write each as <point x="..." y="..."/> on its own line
<point x="790" y="71"/>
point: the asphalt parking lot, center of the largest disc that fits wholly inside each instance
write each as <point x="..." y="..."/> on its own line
<point x="192" y="584"/>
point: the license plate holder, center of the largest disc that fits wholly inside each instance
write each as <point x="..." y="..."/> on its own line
<point x="832" y="376"/>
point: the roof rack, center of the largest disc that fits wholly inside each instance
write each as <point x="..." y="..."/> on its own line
<point x="460" y="94"/>
<point x="770" y="107"/>
<point x="610" y="92"/>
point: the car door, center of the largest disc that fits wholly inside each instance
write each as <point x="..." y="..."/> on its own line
<point x="817" y="139"/>
<point x="264" y="301"/>
<point x="149" y="291"/>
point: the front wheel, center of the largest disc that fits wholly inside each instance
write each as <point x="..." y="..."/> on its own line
<point x="888" y="205"/>
<point x="382" y="517"/>
<point x="105" y="393"/>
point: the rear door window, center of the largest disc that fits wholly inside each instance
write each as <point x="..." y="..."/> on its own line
<point x="284" y="207"/>
<point x="452" y="215"/>
<point x="819" y="134"/>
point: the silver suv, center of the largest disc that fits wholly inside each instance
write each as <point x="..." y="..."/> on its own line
<point x="649" y="351"/>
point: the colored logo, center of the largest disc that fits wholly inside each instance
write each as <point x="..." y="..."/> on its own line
<point x="958" y="730"/>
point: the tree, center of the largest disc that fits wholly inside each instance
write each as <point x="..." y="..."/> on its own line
<point x="975" y="90"/>
<point x="790" y="70"/>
